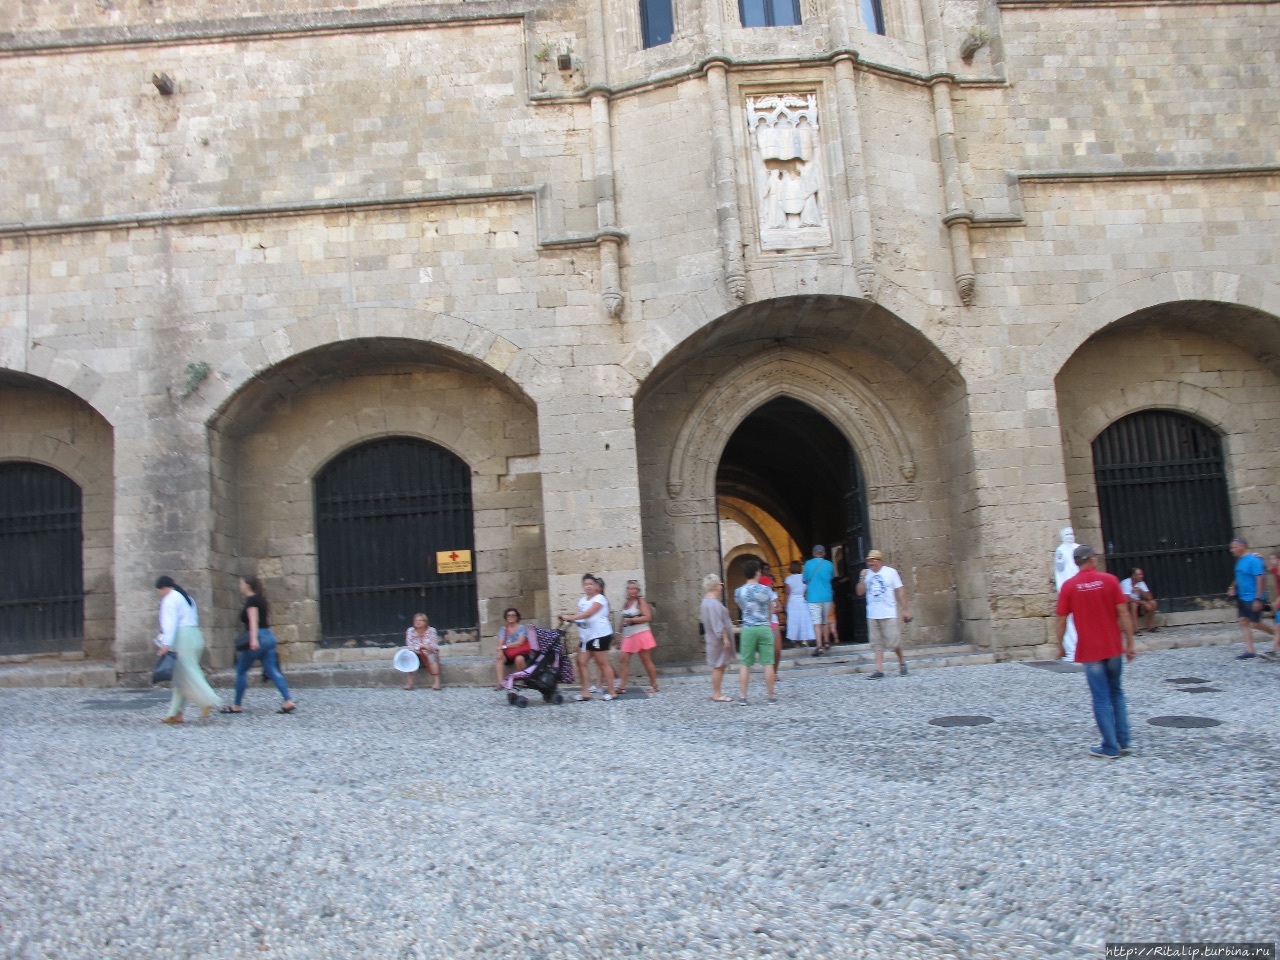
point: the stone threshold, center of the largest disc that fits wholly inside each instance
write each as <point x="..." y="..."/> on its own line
<point x="477" y="671"/>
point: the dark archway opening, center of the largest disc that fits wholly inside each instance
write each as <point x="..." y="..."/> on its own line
<point x="790" y="462"/>
<point x="384" y="510"/>
<point x="42" y="572"/>
<point x="1165" y="506"/>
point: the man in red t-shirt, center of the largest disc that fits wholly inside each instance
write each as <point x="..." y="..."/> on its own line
<point x="1101" y="612"/>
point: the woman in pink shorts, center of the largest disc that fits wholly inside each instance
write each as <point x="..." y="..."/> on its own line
<point x="636" y="637"/>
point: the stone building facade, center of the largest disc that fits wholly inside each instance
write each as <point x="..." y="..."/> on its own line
<point x="240" y="239"/>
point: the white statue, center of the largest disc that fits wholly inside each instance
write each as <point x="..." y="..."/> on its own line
<point x="1064" y="568"/>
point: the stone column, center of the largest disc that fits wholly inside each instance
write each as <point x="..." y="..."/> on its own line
<point x="958" y="216"/>
<point x="855" y="173"/>
<point x="590" y="483"/>
<point x="728" y="218"/>
<point x="606" y="210"/>
<point x="602" y="155"/>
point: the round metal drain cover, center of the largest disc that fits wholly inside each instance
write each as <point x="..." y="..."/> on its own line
<point x="1184" y="722"/>
<point x="1186" y="680"/>
<point x="961" y="721"/>
<point x="1200" y="690"/>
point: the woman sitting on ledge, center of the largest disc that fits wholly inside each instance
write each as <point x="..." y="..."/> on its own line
<point x="423" y="640"/>
<point x="516" y="641"/>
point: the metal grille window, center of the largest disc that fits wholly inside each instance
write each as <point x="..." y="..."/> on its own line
<point x="1162" y="492"/>
<point x="41" y="561"/>
<point x="383" y="511"/>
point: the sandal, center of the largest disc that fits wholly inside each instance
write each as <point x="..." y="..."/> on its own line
<point x="620" y="691"/>
<point x="722" y="699"/>
<point x="230" y="710"/>
<point x="288" y="709"/>
<point x="579" y="698"/>
<point x="173" y="720"/>
<point x="650" y="691"/>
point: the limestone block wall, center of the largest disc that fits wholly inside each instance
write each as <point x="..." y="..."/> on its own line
<point x="1161" y="365"/>
<point x="277" y="458"/>
<point x="290" y="117"/>
<point x="1114" y="85"/>
<point x="45" y="425"/>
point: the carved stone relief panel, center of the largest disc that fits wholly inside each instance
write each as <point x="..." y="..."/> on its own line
<point x="786" y="162"/>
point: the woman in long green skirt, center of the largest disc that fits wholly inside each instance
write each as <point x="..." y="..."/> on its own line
<point x="180" y="631"/>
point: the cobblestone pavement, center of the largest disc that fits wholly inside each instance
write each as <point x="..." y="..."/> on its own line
<point x="838" y="823"/>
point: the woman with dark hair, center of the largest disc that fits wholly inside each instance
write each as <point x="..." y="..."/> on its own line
<point x="595" y="634"/>
<point x="257" y="642"/>
<point x="516" y="642"/>
<point x="180" y="632"/>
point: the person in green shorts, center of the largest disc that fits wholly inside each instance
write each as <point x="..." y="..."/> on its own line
<point x="757" y="603"/>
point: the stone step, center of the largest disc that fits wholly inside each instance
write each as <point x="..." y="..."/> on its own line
<point x="477" y="671"/>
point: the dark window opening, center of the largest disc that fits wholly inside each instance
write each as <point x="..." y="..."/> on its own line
<point x="41" y="561"/>
<point x="383" y="511"/>
<point x="873" y="16"/>
<point x="657" y="23"/>
<point x="770" y="13"/>
<point x="1162" y="494"/>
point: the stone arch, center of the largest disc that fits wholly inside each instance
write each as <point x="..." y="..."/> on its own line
<point x="46" y="364"/>
<point x="1216" y="361"/>
<point x="802" y="375"/>
<point x="272" y="439"/>
<point x="1188" y="398"/>
<point x="465" y="343"/>
<point x="1147" y="293"/>
<point x="693" y="323"/>
<point x="49" y="424"/>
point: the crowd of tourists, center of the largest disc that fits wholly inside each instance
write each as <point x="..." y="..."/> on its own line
<point x="1097" y="616"/>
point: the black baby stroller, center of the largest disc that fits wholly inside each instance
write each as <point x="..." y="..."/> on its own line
<point x="549" y="669"/>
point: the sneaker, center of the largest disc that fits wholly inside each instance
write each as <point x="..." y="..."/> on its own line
<point x="742" y="701"/>
<point x="902" y="669"/>
<point x="1099" y="752"/>
<point x="771" y="700"/>
<point x="878" y="675"/>
<point x="1247" y="656"/>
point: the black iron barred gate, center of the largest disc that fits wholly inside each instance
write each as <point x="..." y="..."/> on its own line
<point x="383" y="511"/>
<point x="41" y="561"/>
<point x="1162" y="491"/>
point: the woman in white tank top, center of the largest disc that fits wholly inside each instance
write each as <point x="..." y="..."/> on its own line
<point x="595" y="634"/>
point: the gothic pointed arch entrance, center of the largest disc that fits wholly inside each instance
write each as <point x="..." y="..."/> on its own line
<point x="789" y="462"/>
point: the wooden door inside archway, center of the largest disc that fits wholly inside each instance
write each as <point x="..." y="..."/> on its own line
<point x="384" y="510"/>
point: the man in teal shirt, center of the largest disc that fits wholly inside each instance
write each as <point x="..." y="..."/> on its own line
<point x="1248" y="588"/>
<point x="818" y="574"/>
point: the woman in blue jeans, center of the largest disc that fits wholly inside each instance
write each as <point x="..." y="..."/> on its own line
<point x="257" y="643"/>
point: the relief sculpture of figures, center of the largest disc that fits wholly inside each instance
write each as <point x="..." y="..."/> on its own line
<point x="790" y="189"/>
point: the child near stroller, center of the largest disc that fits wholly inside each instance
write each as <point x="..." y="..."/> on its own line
<point x="548" y="669"/>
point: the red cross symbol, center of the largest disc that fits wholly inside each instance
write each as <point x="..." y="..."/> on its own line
<point x="454" y="555"/>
